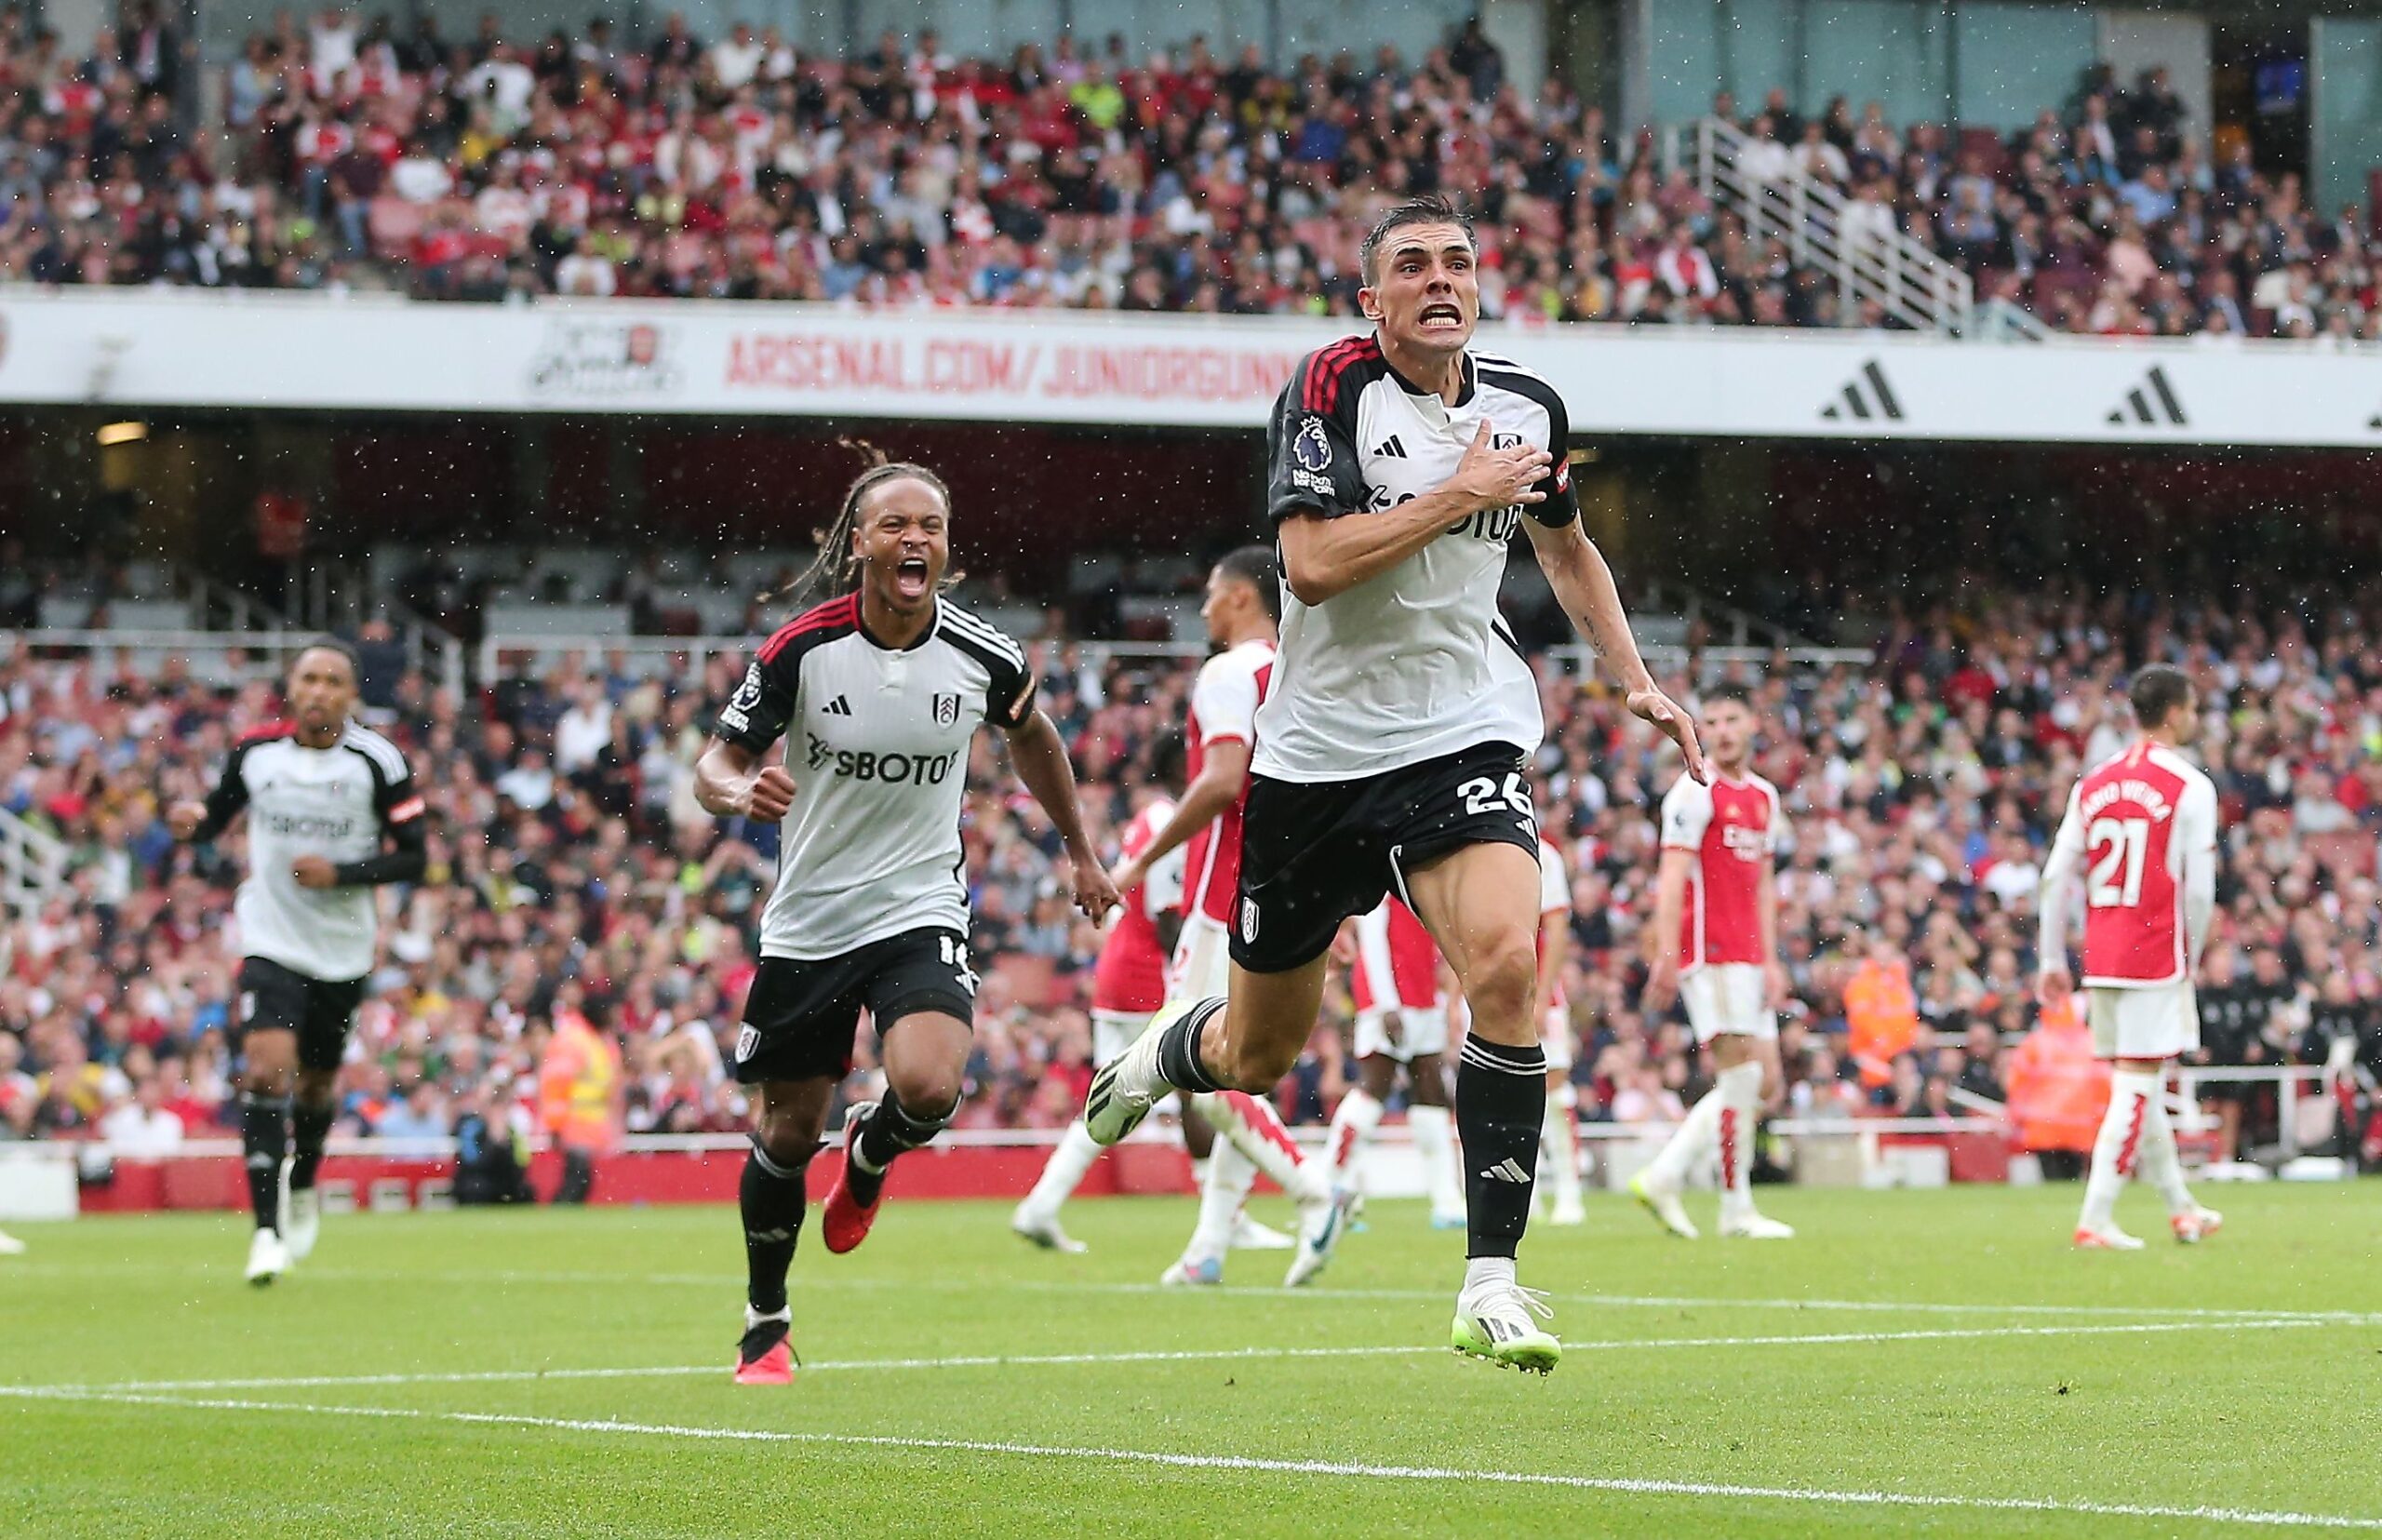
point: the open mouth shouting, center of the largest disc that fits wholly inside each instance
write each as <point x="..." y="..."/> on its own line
<point x="1440" y="317"/>
<point x="912" y="579"/>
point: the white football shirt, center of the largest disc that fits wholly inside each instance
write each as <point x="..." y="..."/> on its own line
<point x="1415" y="663"/>
<point x="336" y="803"/>
<point x="877" y="742"/>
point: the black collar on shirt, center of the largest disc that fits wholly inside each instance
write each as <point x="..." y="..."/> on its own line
<point x="860" y="623"/>
<point x="1411" y="388"/>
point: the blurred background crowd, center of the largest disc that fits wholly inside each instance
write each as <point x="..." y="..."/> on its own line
<point x="574" y="886"/>
<point x="350" y="152"/>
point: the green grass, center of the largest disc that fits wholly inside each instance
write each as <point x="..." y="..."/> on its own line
<point x="2042" y="1398"/>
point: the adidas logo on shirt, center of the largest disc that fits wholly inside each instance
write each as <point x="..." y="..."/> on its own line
<point x="1393" y="450"/>
<point x="836" y="707"/>
<point x="1507" y="1169"/>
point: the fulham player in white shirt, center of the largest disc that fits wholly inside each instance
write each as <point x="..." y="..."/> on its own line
<point x="877" y="694"/>
<point x="2141" y="829"/>
<point x="1392" y="749"/>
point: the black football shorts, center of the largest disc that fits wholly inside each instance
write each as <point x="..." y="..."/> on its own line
<point x="802" y="1014"/>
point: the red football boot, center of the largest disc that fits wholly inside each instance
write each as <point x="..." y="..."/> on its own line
<point x="844" y="1222"/>
<point x="765" y="1357"/>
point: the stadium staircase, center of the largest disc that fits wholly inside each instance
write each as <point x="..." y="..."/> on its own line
<point x="33" y="864"/>
<point x="1910" y="283"/>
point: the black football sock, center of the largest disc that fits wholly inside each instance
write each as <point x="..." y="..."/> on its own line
<point x="264" y="1139"/>
<point x="892" y="1129"/>
<point x="770" y="1197"/>
<point x="1500" y="1111"/>
<point x="310" y="1124"/>
<point x="1178" y="1050"/>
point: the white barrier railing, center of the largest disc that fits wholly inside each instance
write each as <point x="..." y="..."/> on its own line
<point x="1907" y="281"/>
<point x="2289" y="1080"/>
<point x="33" y="864"/>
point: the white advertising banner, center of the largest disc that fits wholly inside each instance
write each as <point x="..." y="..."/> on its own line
<point x="143" y="348"/>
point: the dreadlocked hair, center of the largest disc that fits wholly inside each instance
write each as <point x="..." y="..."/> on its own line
<point x="835" y="567"/>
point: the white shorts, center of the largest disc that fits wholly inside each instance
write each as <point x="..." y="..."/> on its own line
<point x="1555" y="1038"/>
<point x="1202" y="964"/>
<point x="1421" y="1034"/>
<point x="1114" y="1031"/>
<point x="1728" y="999"/>
<point x="2158" y="1021"/>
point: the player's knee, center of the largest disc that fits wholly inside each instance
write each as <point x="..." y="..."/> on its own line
<point x="786" y="1138"/>
<point x="929" y="1094"/>
<point x="1256" y="1067"/>
<point x="267" y="1079"/>
<point x="1504" y="972"/>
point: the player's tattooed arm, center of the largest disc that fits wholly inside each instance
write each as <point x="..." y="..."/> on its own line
<point x="1040" y="755"/>
<point x="1583" y="585"/>
<point x="732" y="782"/>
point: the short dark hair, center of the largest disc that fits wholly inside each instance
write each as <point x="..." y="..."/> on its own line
<point x="1430" y="208"/>
<point x="2157" y="690"/>
<point x="1730" y="689"/>
<point x="1254" y="565"/>
<point x="328" y="643"/>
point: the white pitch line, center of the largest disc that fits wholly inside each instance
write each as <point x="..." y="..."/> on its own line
<point x="1630" y="1486"/>
<point x="1063" y="1286"/>
<point x="1024" y="1360"/>
<point x="1655" y="1301"/>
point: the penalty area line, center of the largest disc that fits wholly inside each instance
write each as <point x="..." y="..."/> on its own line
<point x="1620" y="1485"/>
<point x="1029" y="1361"/>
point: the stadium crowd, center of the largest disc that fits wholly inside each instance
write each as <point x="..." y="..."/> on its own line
<point x="572" y="876"/>
<point x="357" y="153"/>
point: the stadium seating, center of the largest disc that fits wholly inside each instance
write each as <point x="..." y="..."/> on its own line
<point x="1920" y="790"/>
<point x="349" y="156"/>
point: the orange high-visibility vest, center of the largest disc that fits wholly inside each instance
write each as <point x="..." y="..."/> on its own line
<point x="2058" y="1091"/>
<point x="579" y="1081"/>
<point x="1882" y="1013"/>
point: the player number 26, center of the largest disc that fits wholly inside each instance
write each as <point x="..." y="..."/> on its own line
<point x="1481" y="796"/>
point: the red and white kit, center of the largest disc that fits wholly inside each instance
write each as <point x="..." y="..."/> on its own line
<point x="1129" y="982"/>
<point x="1398" y="969"/>
<point x="2142" y="831"/>
<point x="1223" y="708"/>
<point x="1554" y="897"/>
<point x="1733" y="828"/>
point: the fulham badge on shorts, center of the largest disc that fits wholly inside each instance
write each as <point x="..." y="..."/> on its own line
<point x="748" y="1037"/>
<point x="1248" y="919"/>
<point x="946" y="710"/>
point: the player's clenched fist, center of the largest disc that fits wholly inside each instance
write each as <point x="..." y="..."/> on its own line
<point x="769" y="795"/>
<point x="1491" y="478"/>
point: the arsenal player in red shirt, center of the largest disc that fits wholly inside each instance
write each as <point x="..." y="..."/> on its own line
<point x="1716" y="934"/>
<point x="2146" y="822"/>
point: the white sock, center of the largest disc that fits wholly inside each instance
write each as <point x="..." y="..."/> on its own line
<point x="1256" y="1131"/>
<point x="1064" y="1171"/>
<point x="1559" y="1144"/>
<point x="2118" y="1149"/>
<point x="1484" y="1270"/>
<point x="753" y="1318"/>
<point x="2160" y="1164"/>
<point x="1434" y="1131"/>
<point x="1739" y="1094"/>
<point x="1688" y="1141"/>
<point x="1230" y="1175"/>
<point x="1352" y="1128"/>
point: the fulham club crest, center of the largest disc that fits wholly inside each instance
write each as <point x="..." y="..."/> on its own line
<point x="946" y="710"/>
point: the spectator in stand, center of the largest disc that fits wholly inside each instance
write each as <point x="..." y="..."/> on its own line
<point x="143" y="1128"/>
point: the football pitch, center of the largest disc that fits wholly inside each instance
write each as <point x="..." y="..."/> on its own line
<point x="1934" y="1362"/>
